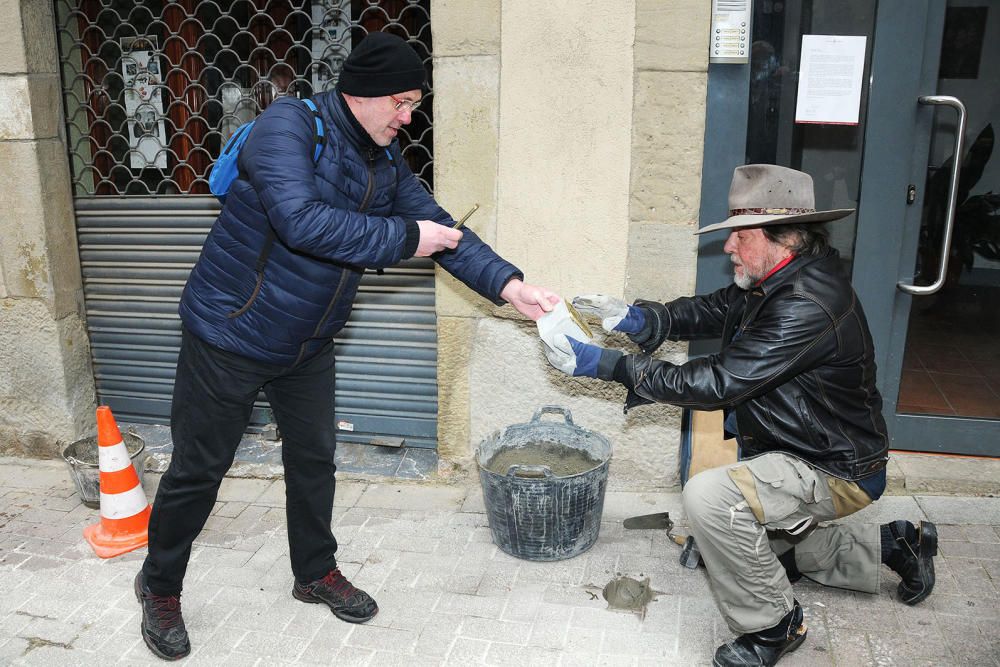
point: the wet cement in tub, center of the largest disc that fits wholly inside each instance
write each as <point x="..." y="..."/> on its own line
<point x="563" y="461"/>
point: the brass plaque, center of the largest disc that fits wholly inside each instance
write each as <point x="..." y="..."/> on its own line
<point x="575" y="314"/>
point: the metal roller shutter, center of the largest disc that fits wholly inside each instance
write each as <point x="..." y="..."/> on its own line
<point x="136" y="254"/>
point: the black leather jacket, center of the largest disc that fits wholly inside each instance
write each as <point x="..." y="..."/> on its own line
<point x="797" y="366"/>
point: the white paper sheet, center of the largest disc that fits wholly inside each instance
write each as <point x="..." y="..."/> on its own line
<point x="831" y="74"/>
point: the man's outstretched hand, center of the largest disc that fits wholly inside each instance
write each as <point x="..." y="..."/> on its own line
<point x="529" y="300"/>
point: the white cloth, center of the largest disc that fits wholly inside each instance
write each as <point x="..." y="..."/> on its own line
<point x="553" y="328"/>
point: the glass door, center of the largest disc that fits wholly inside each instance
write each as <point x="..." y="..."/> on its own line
<point x="929" y="274"/>
<point x="951" y="363"/>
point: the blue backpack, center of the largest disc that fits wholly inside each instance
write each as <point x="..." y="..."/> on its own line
<point x="226" y="168"/>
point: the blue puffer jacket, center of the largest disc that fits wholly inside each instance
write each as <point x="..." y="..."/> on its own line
<point x="354" y="209"/>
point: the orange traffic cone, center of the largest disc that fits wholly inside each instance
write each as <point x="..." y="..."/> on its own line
<point x="124" y="508"/>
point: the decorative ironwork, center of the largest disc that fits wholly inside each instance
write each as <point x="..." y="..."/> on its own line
<point x="153" y="88"/>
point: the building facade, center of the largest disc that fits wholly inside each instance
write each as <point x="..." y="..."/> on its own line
<point x="594" y="137"/>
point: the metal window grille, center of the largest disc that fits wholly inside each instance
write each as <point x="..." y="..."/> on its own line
<point x="152" y="89"/>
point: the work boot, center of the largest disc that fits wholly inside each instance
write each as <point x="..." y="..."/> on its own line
<point x="764" y="648"/>
<point x="912" y="558"/>
<point x="162" y="624"/>
<point x="334" y="590"/>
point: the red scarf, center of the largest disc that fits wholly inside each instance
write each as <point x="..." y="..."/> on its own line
<point x="777" y="267"/>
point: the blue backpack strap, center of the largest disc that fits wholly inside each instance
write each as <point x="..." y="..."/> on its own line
<point x="318" y="132"/>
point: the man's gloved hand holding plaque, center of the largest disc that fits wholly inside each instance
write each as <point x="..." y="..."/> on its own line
<point x="563" y="343"/>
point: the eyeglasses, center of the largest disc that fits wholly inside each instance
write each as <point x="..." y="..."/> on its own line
<point x="404" y="105"/>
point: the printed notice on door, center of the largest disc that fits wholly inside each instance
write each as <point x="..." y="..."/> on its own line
<point x="830" y="78"/>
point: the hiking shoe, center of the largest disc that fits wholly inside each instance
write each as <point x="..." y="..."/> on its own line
<point x="162" y="624"/>
<point x="764" y="648"/>
<point x="913" y="560"/>
<point x="334" y="590"/>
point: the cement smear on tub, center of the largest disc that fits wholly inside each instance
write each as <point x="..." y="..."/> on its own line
<point x="563" y="461"/>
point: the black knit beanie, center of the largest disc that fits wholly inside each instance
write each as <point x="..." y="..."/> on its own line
<point x="381" y="64"/>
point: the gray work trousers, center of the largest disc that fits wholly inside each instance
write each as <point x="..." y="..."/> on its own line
<point x="743" y="516"/>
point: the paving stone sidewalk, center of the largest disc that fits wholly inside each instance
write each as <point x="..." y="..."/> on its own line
<point x="447" y="595"/>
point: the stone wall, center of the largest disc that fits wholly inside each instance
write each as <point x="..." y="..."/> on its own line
<point x="577" y="127"/>
<point x="46" y="381"/>
<point x="564" y="122"/>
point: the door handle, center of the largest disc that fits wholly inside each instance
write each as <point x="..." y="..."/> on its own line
<point x="949" y="220"/>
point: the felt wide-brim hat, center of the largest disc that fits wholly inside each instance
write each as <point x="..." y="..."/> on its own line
<point x="766" y="194"/>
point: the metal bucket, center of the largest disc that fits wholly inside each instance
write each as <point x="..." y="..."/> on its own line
<point x="82" y="458"/>
<point x="533" y="513"/>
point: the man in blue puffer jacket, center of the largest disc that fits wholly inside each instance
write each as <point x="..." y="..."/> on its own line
<point x="275" y="282"/>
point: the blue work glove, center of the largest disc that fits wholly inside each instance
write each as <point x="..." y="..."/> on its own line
<point x="587" y="357"/>
<point x="615" y="314"/>
<point x="581" y="359"/>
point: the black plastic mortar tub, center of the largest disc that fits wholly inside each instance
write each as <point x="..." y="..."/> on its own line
<point x="533" y="513"/>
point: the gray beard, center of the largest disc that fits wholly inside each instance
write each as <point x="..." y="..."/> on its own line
<point x="744" y="282"/>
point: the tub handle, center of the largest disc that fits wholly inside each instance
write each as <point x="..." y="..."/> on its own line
<point x="553" y="410"/>
<point x="533" y="470"/>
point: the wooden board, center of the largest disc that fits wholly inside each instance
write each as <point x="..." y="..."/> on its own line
<point x="708" y="448"/>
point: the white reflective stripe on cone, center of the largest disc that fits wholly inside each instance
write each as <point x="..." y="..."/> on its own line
<point x="123" y="505"/>
<point x="113" y="458"/>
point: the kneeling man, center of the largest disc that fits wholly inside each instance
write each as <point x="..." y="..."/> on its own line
<point x="796" y="380"/>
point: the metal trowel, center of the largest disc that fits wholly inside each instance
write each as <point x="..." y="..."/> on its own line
<point x="690" y="556"/>
<point x="657" y="521"/>
<point x="464" y="218"/>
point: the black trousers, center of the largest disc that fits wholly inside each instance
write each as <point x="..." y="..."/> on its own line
<point x="214" y="391"/>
